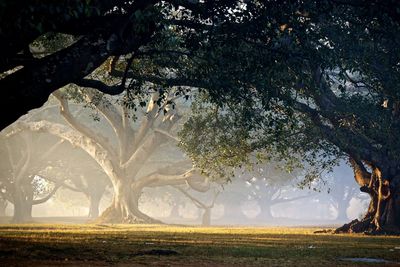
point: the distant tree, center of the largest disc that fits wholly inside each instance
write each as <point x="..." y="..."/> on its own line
<point x="24" y="160"/>
<point x="270" y="185"/>
<point x="93" y="184"/>
<point x="205" y="208"/>
<point x="341" y="190"/>
<point x="80" y="174"/>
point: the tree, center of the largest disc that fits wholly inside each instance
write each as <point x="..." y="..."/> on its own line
<point x="100" y="29"/>
<point x="205" y="208"/>
<point x="323" y="70"/>
<point x="341" y="190"/>
<point x="24" y="161"/>
<point x="123" y="149"/>
<point x="80" y="173"/>
<point x="93" y="184"/>
<point x="270" y="185"/>
<point x="324" y="97"/>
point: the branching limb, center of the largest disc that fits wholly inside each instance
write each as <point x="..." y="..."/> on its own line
<point x="100" y="86"/>
<point x="81" y="128"/>
<point x="168" y="135"/>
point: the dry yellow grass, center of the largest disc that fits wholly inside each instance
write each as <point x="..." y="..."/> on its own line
<point x="161" y="245"/>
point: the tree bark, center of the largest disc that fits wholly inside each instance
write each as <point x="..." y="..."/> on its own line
<point x="125" y="205"/>
<point x="22" y="204"/>
<point x="383" y="214"/>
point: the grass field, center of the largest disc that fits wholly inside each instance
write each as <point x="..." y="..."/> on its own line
<point x="160" y="245"/>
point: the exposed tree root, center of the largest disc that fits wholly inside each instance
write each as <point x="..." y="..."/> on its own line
<point x="366" y="226"/>
<point x="112" y="215"/>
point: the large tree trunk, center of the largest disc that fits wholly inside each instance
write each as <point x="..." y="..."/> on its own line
<point x="22" y="206"/>
<point x="125" y="206"/>
<point x="383" y="215"/>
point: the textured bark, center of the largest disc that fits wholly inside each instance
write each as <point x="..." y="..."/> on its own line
<point x="383" y="214"/>
<point x="123" y="160"/>
<point x="125" y="206"/>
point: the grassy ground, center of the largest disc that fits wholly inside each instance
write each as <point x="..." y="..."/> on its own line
<point x="155" y="245"/>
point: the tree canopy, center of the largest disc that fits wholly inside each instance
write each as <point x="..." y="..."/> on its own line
<point x="329" y="91"/>
<point x="311" y="78"/>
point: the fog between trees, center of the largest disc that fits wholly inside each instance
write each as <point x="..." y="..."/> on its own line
<point x="87" y="157"/>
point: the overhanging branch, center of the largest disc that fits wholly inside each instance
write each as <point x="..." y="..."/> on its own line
<point x="100" y="86"/>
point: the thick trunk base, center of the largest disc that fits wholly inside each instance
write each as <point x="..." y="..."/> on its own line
<point x="125" y="206"/>
<point x="383" y="215"/>
<point x="22" y="212"/>
<point x="125" y="215"/>
<point x="366" y="226"/>
<point x="383" y="220"/>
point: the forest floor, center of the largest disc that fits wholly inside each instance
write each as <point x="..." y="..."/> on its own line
<point x="161" y="245"/>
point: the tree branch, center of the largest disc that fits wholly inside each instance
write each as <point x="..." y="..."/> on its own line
<point x="81" y="128"/>
<point x="284" y="200"/>
<point x="44" y="199"/>
<point x="100" y="86"/>
<point x="97" y="152"/>
<point x="167" y="134"/>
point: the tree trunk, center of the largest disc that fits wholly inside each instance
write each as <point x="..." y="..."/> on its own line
<point x="3" y="207"/>
<point x="383" y="214"/>
<point x="125" y="206"/>
<point x="265" y="213"/>
<point x="22" y="208"/>
<point x="206" y="218"/>
<point x="342" y="206"/>
<point x="94" y="203"/>
<point x="23" y="201"/>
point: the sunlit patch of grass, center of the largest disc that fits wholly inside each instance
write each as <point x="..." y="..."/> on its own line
<point x="127" y="244"/>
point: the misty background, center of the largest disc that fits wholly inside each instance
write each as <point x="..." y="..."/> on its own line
<point x="50" y="173"/>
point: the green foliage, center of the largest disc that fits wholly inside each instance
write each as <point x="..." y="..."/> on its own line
<point x="303" y="82"/>
<point x="320" y="85"/>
